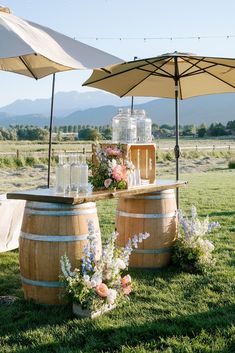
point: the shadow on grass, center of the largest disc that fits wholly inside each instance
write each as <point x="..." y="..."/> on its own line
<point x="107" y="336"/>
<point x="225" y="213"/>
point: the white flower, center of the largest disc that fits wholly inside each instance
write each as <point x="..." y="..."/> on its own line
<point x="95" y="280"/>
<point x="112" y="295"/>
<point x="87" y="281"/>
<point x="120" y="264"/>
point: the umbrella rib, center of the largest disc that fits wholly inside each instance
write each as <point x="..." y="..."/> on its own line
<point x="150" y="74"/>
<point x="155" y="73"/>
<point x="23" y="60"/>
<point x="197" y="72"/>
<point x="137" y="84"/>
<point x="189" y="68"/>
<point x="160" y="68"/>
<point x="213" y="75"/>
<point x="132" y="68"/>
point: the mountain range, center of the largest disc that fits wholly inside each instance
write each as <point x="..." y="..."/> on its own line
<point x="98" y="108"/>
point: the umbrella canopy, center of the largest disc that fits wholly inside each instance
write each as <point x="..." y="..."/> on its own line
<point x="36" y="51"/>
<point x="157" y="77"/>
<point x="175" y="75"/>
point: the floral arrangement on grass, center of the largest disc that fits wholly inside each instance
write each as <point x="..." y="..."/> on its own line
<point x="192" y="252"/>
<point x="100" y="283"/>
<point x="111" y="170"/>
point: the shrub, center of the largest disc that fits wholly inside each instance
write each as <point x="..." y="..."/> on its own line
<point x="8" y="162"/>
<point x="19" y="162"/>
<point x="31" y="161"/>
<point x="169" y="156"/>
<point x="231" y="164"/>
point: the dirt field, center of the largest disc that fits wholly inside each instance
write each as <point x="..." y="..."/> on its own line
<point x="27" y="177"/>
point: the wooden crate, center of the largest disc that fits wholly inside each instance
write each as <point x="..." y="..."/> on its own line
<point x="143" y="156"/>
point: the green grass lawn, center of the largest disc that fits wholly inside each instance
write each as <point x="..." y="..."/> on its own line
<point x="169" y="311"/>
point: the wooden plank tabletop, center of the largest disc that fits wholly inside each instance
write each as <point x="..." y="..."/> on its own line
<point x="49" y="195"/>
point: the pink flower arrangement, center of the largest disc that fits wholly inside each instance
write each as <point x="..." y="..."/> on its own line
<point x="100" y="283"/>
<point x="111" y="170"/>
<point x="119" y="173"/>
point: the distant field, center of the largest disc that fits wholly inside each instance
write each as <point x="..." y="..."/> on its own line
<point x="40" y="149"/>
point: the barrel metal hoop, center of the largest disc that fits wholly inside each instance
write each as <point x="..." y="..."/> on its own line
<point x="153" y="251"/>
<point x="58" y="213"/>
<point x="58" y="206"/>
<point x="53" y="238"/>
<point x="152" y="197"/>
<point x="146" y="215"/>
<point x="41" y="283"/>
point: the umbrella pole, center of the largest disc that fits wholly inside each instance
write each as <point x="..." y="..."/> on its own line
<point x="50" y="131"/>
<point x="132" y="105"/>
<point x="132" y="98"/>
<point x="177" y="148"/>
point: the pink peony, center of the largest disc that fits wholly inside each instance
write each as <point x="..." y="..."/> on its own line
<point x="126" y="280"/>
<point x="119" y="173"/>
<point x="113" y="152"/>
<point x="102" y="290"/>
<point x="127" y="290"/>
<point x="107" y="182"/>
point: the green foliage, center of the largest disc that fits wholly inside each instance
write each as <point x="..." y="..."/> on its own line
<point x="31" y="161"/>
<point x="231" y="164"/>
<point x="7" y="162"/>
<point x="89" y="134"/>
<point x="169" y="156"/>
<point x="32" y="133"/>
<point x="187" y="258"/>
<point x="19" y="162"/>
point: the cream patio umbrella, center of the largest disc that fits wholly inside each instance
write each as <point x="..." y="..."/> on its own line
<point x="36" y="51"/>
<point x="175" y="75"/>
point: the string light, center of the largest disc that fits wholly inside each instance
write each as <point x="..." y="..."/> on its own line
<point x="157" y="38"/>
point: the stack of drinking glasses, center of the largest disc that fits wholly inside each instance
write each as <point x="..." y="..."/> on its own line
<point x="72" y="174"/>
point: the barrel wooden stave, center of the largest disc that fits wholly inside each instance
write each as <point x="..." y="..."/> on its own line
<point x="48" y="232"/>
<point x="154" y="213"/>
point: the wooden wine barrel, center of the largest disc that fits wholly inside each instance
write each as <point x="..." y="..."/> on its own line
<point x="50" y="230"/>
<point x="154" y="213"/>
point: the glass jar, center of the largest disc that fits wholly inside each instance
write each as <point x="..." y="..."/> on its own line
<point x="124" y="127"/>
<point x="144" y="126"/>
<point x="115" y="127"/>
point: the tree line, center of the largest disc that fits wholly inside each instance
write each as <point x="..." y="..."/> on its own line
<point x="92" y="132"/>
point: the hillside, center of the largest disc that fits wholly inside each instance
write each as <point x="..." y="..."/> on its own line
<point x="197" y="110"/>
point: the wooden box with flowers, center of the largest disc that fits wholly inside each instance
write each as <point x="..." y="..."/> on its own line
<point x="123" y="166"/>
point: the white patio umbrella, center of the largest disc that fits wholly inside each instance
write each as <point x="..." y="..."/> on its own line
<point x="36" y="51"/>
<point x="175" y="75"/>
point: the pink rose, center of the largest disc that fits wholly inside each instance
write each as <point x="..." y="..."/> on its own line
<point x="127" y="290"/>
<point x="109" y="151"/>
<point x="107" y="182"/>
<point x="126" y="280"/>
<point x="102" y="290"/>
<point x="119" y="173"/>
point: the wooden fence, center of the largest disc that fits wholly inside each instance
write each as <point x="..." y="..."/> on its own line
<point x="79" y="149"/>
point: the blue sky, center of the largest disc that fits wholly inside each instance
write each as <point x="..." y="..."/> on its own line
<point x="90" y="19"/>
